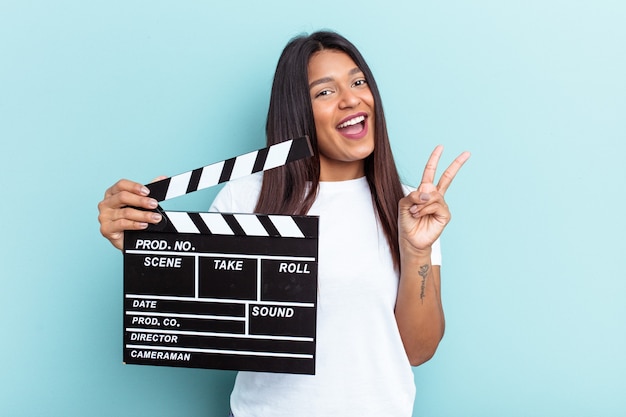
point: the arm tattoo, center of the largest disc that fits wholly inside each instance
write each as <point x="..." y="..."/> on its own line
<point x="423" y="272"/>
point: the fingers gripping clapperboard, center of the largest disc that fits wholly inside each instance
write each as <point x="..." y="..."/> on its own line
<point x="223" y="290"/>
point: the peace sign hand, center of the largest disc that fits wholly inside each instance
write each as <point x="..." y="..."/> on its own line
<point x="423" y="214"/>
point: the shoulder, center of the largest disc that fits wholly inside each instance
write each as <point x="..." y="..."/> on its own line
<point x="407" y="189"/>
<point x="240" y="195"/>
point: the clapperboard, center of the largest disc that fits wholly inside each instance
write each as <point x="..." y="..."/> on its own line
<point x="223" y="290"/>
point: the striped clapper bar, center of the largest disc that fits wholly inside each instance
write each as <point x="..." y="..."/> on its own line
<point x="223" y="290"/>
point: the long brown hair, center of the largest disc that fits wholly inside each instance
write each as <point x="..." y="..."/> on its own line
<point x="291" y="189"/>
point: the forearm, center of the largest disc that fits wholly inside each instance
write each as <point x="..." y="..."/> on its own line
<point x="422" y="216"/>
<point x="419" y="312"/>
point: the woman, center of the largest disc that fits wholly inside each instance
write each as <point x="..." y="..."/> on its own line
<point x="379" y="307"/>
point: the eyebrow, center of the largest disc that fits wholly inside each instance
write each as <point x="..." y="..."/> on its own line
<point x="323" y="80"/>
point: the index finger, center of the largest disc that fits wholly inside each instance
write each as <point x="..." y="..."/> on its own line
<point x="450" y="173"/>
<point x="428" y="177"/>
<point x="127" y="185"/>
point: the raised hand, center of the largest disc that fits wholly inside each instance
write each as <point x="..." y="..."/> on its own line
<point x="423" y="214"/>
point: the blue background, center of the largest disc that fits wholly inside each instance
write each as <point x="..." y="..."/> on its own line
<point x="534" y="263"/>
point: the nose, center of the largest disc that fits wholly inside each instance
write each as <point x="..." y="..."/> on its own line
<point x="349" y="99"/>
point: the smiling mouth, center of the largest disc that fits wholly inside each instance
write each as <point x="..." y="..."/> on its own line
<point x="353" y="126"/>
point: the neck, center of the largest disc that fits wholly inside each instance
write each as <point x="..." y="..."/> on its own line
<point x="341" y="171"/>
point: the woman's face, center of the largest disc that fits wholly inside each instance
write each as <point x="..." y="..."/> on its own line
<point x="343" y="108"/>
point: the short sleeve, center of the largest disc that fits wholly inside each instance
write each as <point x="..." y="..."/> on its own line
<point x="238" y="196"/>
<point x="223" y="202"/>
<point x="435" y="256"/>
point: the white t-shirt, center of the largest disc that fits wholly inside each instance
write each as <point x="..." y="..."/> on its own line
<point x="361" y="366"/>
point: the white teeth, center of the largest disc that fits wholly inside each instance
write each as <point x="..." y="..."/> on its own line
<point x="351" y="122"/>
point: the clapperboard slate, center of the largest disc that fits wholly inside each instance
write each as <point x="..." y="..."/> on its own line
<point x="223" y="291"/>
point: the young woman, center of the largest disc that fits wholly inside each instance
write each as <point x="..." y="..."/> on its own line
<point x="379" y="307"/>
